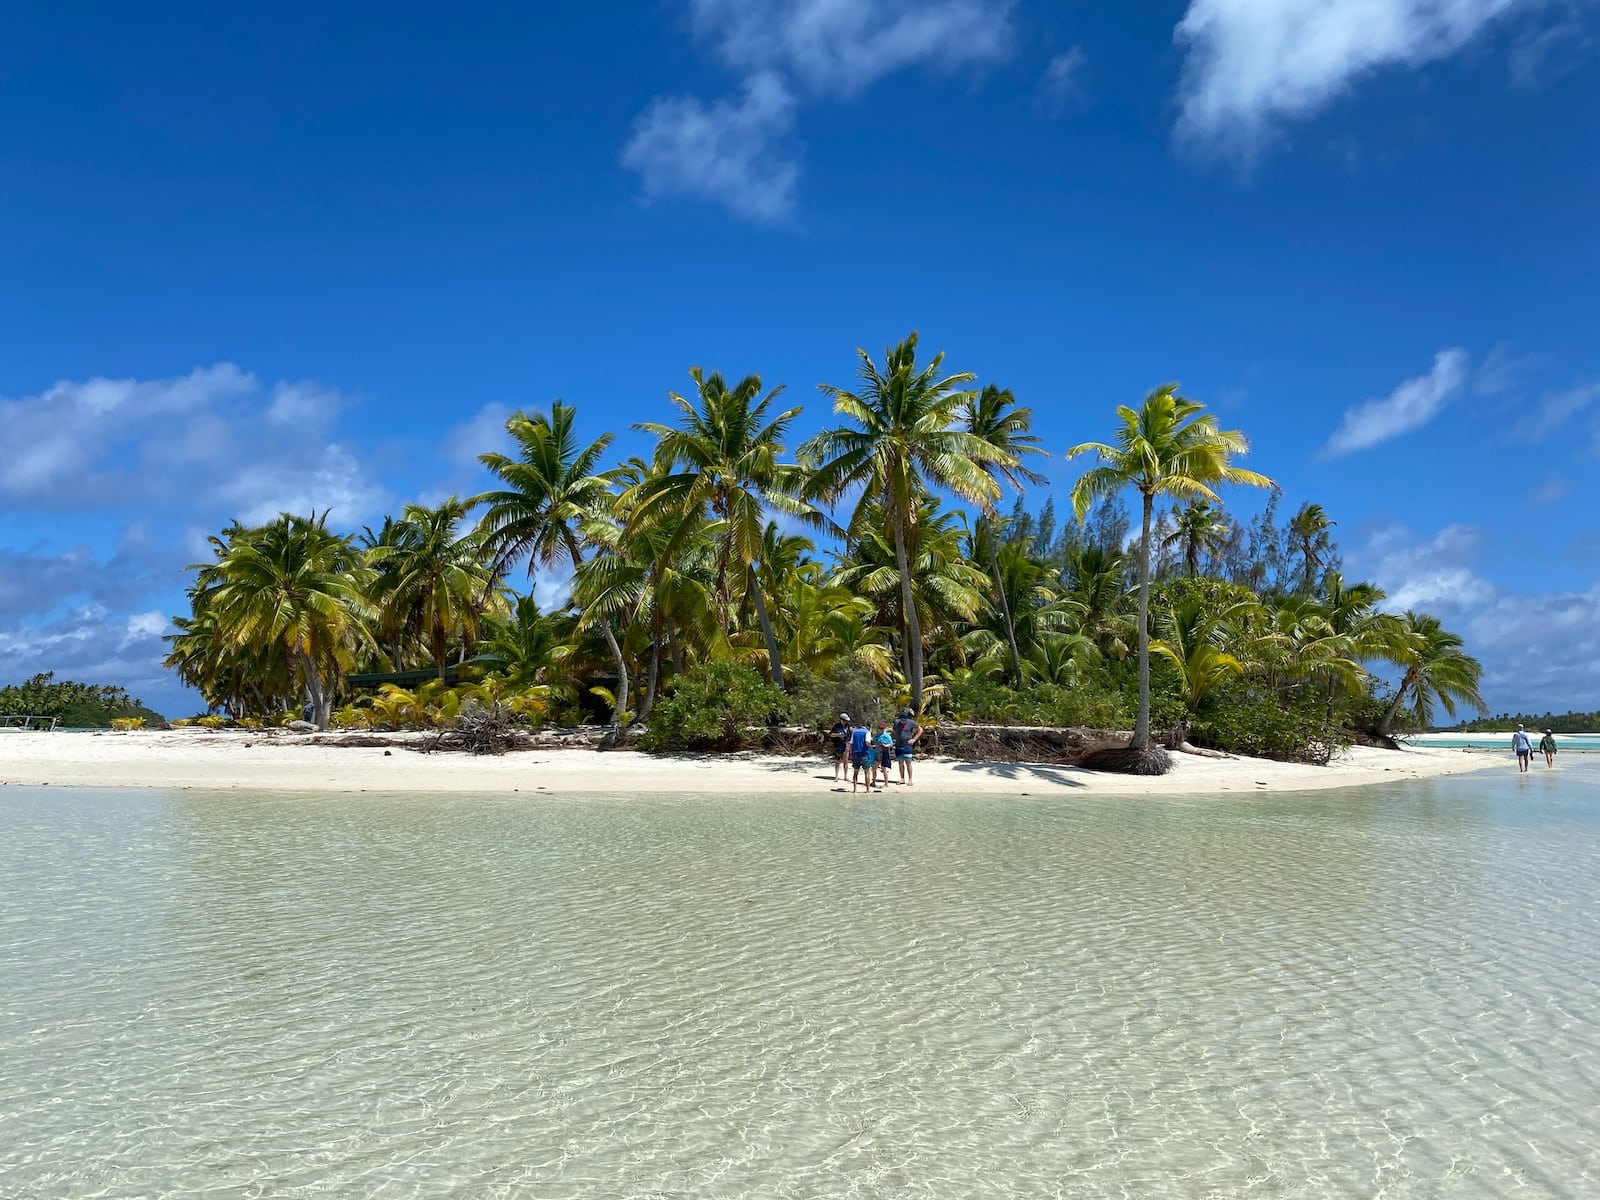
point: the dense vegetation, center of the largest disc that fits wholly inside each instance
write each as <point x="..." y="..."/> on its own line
<point x="718" y="583"/>
<point x="74" y="705"/>
<point x="1572" y="722"/>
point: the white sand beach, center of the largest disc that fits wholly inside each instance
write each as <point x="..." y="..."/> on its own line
<point x="285" y="762"/>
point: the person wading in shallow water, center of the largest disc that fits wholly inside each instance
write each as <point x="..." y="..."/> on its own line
<point x="1547" y="745"/>
<point x="1521" y="743"/>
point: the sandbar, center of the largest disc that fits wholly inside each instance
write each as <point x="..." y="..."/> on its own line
<point x="257" y="761"/>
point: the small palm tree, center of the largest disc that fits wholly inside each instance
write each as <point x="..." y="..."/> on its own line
<point x="723" y="457"/>
<point x="433" y="582"/>
<point x="1198" y="529"/>
<point x="904" y="438"/>
<point x="1309" y="529"/>
<point x="295" y="589"/>
<point x="1437" y="671"/>
<point x="993" y="417"/>
<point x="1166" y="447"/>
<point x="550" y="492"/>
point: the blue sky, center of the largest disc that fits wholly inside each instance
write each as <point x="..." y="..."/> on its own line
<point x="278" y="256"/>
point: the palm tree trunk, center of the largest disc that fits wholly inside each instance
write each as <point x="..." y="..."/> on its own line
<point x="1141" y="726"/>
<point x="622" y="672"/>
<point x="654" y="677"/>
<point x="909" y="615"/>
<point x="1393" y="710"/>
<point x="766" y="626"/>
<point x="1005" y="606"/>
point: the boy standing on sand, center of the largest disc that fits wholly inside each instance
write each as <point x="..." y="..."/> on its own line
<point x="1548" y="744"/>
<point x="885" y="747"/>
<point x="839" y="740"/>
<point x="1521" y="743"/>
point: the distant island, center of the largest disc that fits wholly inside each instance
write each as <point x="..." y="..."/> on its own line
<point x="1571" y="722"/>
<point x="74" y="705"/>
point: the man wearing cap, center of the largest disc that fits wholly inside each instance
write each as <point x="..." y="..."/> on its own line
<point x="1524" y="748"/>
<point x="839" y="738"/>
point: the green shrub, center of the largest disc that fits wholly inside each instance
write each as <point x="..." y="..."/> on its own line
<point x="711" y="706"/>
<point x="127" y="724"/>
<point x="211" y="721"/>
<point x="819" y="699"/>
<point x="1266" y="726"/>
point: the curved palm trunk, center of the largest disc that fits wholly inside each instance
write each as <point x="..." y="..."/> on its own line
<point x="622" y="672"/>
<point x="1141" y="727"/>
<point x="1005" y="608"/>
<point x="909" y="612"/>
<point x="766" y="626"/>
<point x="1393" y="710"/>
<point x="321" y="700"/>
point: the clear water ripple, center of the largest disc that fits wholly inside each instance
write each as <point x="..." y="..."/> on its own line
<point x="1394" y="992"/>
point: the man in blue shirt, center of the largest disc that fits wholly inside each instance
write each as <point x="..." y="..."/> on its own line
<point x="860" y="754"/>
<point x="1523" y="745"/>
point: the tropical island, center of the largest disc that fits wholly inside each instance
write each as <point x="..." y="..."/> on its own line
<point x="720" y="586"/>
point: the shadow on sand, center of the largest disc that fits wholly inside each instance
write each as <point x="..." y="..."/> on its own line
<point x="1023" y="771"/>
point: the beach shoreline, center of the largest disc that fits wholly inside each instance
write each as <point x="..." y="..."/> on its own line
<point x="262" y="761"/>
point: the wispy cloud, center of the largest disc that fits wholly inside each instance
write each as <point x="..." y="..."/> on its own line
<point x="741" y="152"/>
<point x="1255" y="65"/>
<point x="733" y="152"/>
<point x="837" y="47"/>
<point x="1062" y="82"/>
<point x="1410" y="406"/>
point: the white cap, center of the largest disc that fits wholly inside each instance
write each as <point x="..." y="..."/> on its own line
<point x="844" y="716"/>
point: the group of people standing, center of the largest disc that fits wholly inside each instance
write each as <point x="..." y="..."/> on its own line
<point x="861" y="750"/>
<point x="1523" y="745"/>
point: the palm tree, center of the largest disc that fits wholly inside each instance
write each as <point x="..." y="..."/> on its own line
<point x="1194" y="631"/>
<point x="551" y="491"/>
<point x="723" y="456"/>
<point x="433" y="582"/>
<point x="1164" y="448"/>
<point x="1436" y="671"/>
<point x="1198" y="528"/>
<point x="1094" y="581"/>
<point x="1309" y="528"/>
<point x="904" y="437"/>
<point x="296" y="589"/>
<point x="993" y="417"/>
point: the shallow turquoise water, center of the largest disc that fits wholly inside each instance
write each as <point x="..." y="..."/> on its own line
<point x="1385" y="992"/>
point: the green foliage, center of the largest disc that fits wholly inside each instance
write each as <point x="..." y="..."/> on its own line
<point x="127" y="724"/>
<point x="990" y="702"/>
<point x="710" y="708"/>
<point x="1264" y="726"/>
<point x="74" y="705"/>
<point x="844" y="688"/>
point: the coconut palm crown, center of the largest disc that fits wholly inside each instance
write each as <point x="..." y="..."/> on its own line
<point x="1168" y="446"/>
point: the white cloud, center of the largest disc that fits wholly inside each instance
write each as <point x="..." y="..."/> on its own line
<point x="333" y="481"/>
<point x="1254" y="65"/>
<point x="1434" y="576"/>
<point x="843" y="47"/>
<point x="212" y="439"/>
<point x="1062" y="82"/>
<point x="1410" y="406"/>
<point x="1564" y="405"/>
<point x="740" y="151"/>
<point x="1554" y="487"/>
<point x="732" y="152"/>
<point x="1540" y="652"/>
